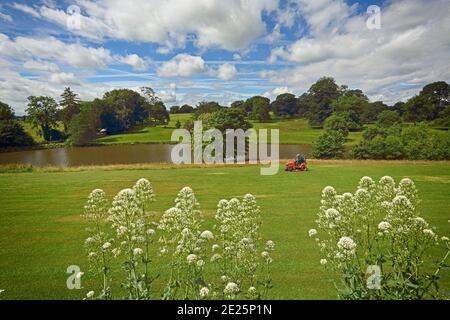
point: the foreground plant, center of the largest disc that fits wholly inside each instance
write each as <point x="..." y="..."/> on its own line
<point x="237" y="253"/>
<point x="200" y="268"/>
<point x="378" y="243"/>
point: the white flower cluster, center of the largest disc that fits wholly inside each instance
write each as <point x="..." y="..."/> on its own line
<point x="378" y="222"/>
<point x="238" y="225"/>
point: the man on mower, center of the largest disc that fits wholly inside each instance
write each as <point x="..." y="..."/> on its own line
<point x="300" y="159"/>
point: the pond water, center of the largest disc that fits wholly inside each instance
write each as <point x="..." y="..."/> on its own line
<point x="113" y="154"/>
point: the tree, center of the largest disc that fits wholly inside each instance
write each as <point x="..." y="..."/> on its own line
<point x="321" y="95"/>
<point x="329" y="145"/>
<point x="229" y="118"/>
<point x="70" y="105"/>
<point x="150" y="95"/>
<point x="185" y="108"/>
<point x="353" y="104"/>
<point x="285" y="105"/>
<point x="84" y="126"/>
<point x="122" y="109"/>
<point x="157" y="114"/>
<point x="42" y="113"/>
<point x="439" y="95"/>
<point x="388" y="118"/>
<point x="370" y="113"/>
<point x="174" y="109"/>
<point x="12" y="133"/>
<point x="257" y="108"/>
<point x="206" y="107"/>
<point x="339" y="121"/>
<point x="418" y="108"/>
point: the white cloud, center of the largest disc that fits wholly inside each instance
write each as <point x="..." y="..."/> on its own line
<point x="182" y="65"/>
<point x="64" y="78"/>
<point x="226" y="72"/>
<point x="168" y="96"/>
<point x="231" y="25"/>
<point x="410" y="48"/>
<point x="26" y="9"/>
<point x="6" y="17"/>
<point x="135" y="61"/>
<point x="33" y="65"/>
<point x="272" y="94"/>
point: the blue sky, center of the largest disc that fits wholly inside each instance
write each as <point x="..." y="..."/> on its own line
<point x="194" y="50"/>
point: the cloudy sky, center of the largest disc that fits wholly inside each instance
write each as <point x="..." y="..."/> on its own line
<point x="193" y="50"/>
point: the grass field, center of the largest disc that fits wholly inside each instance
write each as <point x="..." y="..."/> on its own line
<point x="158" y="134"/>
<point x="42" y="233"/>
<point x="292" y="131"/>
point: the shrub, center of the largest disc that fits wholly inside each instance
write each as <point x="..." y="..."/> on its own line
<point x="379" y="230"/>
<point x="388" y="118"/>
<point x="330" y="145"/>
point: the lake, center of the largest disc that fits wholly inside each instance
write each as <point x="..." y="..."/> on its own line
<point x="113" y="154"/>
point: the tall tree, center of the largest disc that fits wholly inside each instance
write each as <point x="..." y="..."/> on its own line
<point x="11" y="132"/>
<point x="322" y="93"/>
<point x="285" y="105"/>
<point x="419" y="108"/>
<point x="439" y="95"/>
<point x="70" y="105"/>
<point x="42" y="113"/>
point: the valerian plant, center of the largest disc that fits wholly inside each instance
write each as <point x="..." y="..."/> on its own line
<point x="125" y="232"/>
<point x="379" y="229"/>
<point x="237" y="254"/>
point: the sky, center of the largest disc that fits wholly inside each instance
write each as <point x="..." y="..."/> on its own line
<point x="215" y="50"/>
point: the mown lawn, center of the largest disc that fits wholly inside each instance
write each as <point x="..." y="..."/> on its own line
<point x="42" y="233"/>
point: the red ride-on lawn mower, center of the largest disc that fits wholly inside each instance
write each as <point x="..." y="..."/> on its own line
<point x="293" y="166"/>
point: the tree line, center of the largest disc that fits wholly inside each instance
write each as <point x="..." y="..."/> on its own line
<point x="336" y="108"/>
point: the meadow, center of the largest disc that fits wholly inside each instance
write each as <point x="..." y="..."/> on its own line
<point x="42" y="233"/>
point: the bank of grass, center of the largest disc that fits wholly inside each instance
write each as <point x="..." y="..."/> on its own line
<point x="146" y="134"/>
<point x="42" y="233"/>
<point x="292" y="131"/>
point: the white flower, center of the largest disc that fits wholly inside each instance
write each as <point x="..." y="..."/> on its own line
<point x="312" y="232"/>
<point x="215" y="257"/>
<point x="150" y="232"/>
<point x="92" y="254"/>
<point x="231" y="288"/>
<point x="329" y="191"/>
<point x="200" y="263"/>
<point x="270" y="245"/>
<point x="384" y="226"/>
<point x="429" y="232"/>
<point x="204" y="292"/>
<point x="90" y="294"/>
<point x="208" y="235"/>
<point x="215" y="247"/>
<point x="224" y="278"/>
<point x="265" y="254"/>
<point x="192" y="258"/>
<point x="252" y="290"/>
<point x="323" y="262"/>
<point x="444" y="239"/>
<point x="138" y="251"/>
<point x="347" y="246"/>
<point x="106" y="245"/>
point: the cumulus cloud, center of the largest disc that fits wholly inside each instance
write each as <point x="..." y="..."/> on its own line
<point x="230" y="25"/>
<point x="182" y="65"/>
<point x="134" y="61"/>
<point x="64" y="78"/>
<point x="226" y="72"/>
<point x="272" y="94"/>
<point x="411" y="47"/>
